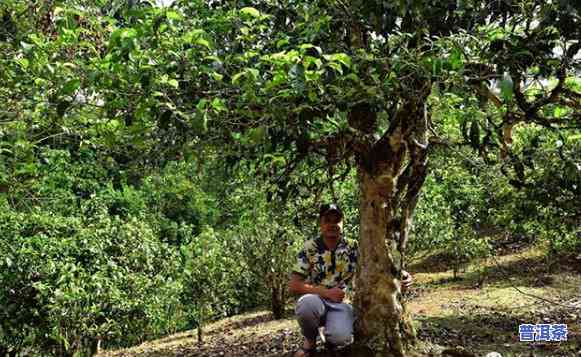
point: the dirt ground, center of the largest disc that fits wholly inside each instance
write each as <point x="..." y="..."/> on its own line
<point x="471" y="316"/>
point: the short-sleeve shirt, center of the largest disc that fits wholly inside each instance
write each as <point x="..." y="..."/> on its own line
<point x="329" y="268"/>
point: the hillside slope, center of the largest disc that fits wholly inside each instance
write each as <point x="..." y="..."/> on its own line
<point x="476" y="315"/>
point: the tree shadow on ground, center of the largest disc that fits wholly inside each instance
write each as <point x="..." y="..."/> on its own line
<point x="228" y="326"/>
<point x="534" y="272"/>
<point x="247" y="322"/>
<point x="434" y="263"/>
<point x="487" y="331"/>
<point x="477" y="330"/>
<point x="442" y="260"/>
<point x="537" y="271"/>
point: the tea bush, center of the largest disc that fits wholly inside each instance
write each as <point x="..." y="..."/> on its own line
<point x="69" y="282"/>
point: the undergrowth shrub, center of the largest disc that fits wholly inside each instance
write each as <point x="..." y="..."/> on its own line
<point x="69" y="283"/>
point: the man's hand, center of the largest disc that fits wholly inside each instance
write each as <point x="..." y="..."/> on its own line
<point x="406" y="280"/>
<point x="334" y="294"/>
<point x="296" y="285"/>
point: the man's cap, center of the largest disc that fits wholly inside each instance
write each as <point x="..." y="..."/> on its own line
<point x="328" y="208"/>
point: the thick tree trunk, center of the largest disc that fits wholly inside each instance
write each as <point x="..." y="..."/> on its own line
<point x="382" y="324"/>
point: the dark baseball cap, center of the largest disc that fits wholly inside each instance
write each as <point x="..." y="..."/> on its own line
<point x="328" y="208"/>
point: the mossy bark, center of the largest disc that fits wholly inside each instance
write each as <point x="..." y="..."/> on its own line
<point x="382" y="324"/>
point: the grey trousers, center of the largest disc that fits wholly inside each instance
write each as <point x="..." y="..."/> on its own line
<point x="337" y="318"/>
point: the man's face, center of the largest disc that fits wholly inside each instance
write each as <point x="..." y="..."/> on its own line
<point x="331" y="225"/>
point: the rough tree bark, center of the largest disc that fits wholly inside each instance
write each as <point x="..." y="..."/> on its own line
<point x="391" y="173"/>
<point x="381" y="324"/>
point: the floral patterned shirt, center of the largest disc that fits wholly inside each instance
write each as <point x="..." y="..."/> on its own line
<point x="329" y="268"/>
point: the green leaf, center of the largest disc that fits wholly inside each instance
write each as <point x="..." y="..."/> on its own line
<point x="202" y="104"/>
<point x="276" y="159"/>
<point x="217" y="76"/>
<point x="506" y="87"/>
<point x="197" y="37"/>
<point x="218" y="105"/>
<point x="281" y="42"/>
<point x="254" y="73"/>
<point x="23" y="62"/>
<point x="173" y="83"/>
<point x="237" y="76"/>
<point x="336" y="66"/>
<point x="257" y="134"/>
<point x="202" y="42"/>
<point x="306" y="46"/>
<point x="455" y="59"/>
<point x="496" y="34"/>
<point x="71" y="86"/>
<point x="173" y="15"/>
<point x="339" y="57"/>
<point x="123" y="33"/>
<point x="213" y="59"/>
<point x="312" y="75"/>
<point x="560" y="112"/>
<point x="250" y="11"/>
<point x="352" y="77"/>
<point x="26" y="169"/>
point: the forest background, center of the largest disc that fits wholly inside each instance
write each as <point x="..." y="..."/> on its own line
<point x="122" y="221"/>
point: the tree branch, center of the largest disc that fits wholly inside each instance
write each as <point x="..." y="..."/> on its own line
<point x="561" y="75"/>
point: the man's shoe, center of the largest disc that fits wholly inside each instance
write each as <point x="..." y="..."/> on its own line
<point x="344" y="349"/>
<point x="307" y="352"/>
<point x="330" y="347"/>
